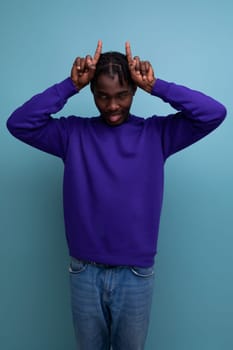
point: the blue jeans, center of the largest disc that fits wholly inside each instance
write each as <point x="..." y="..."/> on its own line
<point x="110" y="306"/>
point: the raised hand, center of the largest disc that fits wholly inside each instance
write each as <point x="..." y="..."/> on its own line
<point x="141" y="71"/>
<point x="83" y="68"/>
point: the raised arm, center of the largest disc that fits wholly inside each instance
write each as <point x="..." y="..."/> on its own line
<point x="198" y="115"/>
<point x="33" y="123"/>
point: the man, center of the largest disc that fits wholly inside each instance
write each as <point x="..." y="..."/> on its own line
<point x="113" y="186"/>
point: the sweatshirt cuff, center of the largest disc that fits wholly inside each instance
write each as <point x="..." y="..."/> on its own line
<point x="66" y="88"/>
<point x="160" y="88"/>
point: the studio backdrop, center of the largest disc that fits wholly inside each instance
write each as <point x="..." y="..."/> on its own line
<point x="187" y="42"/>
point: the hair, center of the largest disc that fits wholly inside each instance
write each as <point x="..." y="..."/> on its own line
<point x="112" y="63"/>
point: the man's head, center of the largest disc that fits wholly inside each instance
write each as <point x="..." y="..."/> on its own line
<point x="113" y="87"/>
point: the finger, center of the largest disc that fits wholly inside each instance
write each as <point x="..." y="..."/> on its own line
<point x="128" y="52"/>
<point x="88" y="63"/>
<point x="77" y="62"/>
<point x="137" y="64"/>
<point x="143" y="69"/>
<point x="147" y="66"/>
<point x="77" y="65"/>
<point x="90" y="66"/>
<point x="82" y="66"/>
<point x="148" y="71"/>
<point x="98" y="52"/>
<point x="151" y="75"/>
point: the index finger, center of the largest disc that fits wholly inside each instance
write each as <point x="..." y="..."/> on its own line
<point x="98" y="51"/>
<point x="128" y="51"/>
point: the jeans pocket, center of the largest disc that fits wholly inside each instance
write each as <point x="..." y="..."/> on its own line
<point x="143" y="271"/>
<point x="77" y="266"/>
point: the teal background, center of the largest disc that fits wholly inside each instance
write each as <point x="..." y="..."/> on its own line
<point x="188" y="42"/>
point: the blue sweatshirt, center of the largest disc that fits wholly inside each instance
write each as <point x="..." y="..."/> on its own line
<point x="113" y="176"/>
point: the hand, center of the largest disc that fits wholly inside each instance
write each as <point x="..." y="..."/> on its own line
<point x="83" y="68"/>
<point x="141" y="71"/>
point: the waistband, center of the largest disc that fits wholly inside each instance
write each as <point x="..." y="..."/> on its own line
<point x="96" y="264"/>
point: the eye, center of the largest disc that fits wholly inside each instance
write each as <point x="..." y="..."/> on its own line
<point x="101" y="96"/>
<point x="123" y="95"/>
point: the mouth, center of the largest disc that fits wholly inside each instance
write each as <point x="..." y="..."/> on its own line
<point x="114" y="119"/>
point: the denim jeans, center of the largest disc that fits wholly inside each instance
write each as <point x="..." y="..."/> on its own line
<point x="110" y="306"/>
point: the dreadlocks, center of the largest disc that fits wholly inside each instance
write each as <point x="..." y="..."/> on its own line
<point x="111" y="63"/>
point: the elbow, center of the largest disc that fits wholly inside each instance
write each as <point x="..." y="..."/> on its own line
<point x="9" y="125"/>
<point x="217" y="114"/>
<point x="220" y="113"/>
<point x="13" y="126"/>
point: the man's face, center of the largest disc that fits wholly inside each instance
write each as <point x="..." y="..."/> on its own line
<point x="112" y="99"/>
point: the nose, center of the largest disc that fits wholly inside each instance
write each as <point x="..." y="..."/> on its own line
<point x="113" y="105"/>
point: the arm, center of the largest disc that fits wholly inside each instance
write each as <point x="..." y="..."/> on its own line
<point x="198" y="114"/>
<point x="33" y="124"/>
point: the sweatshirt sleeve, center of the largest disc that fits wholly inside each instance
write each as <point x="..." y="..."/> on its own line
<point x="198" y="115"/>
<point x="33" y="124"/>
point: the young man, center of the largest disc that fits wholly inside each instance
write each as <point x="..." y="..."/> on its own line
<point x="113" y="186"/>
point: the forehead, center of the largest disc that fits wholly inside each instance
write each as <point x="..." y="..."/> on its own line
<point x="110" y="83"/>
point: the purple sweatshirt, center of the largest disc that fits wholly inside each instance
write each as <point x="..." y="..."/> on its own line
<point x="113" y="176"/>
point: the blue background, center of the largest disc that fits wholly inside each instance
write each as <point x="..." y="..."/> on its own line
<point x="188" y="42"/>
